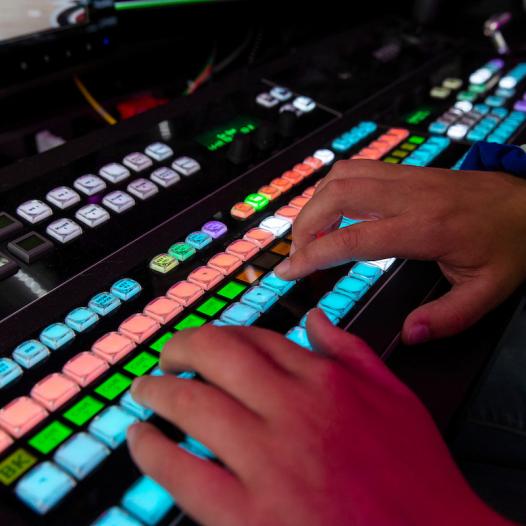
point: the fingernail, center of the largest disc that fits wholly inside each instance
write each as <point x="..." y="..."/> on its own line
<point x="283" y="268"/>
<point x="419" y="333"/>
<point x="292" y="248"/>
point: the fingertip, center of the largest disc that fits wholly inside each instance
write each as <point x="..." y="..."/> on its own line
<point x="416" y="333"/>
<point x="283" y="269"/>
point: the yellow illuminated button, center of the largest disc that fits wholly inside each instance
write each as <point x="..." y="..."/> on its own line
<point x="242" y="211"/>
<point x="15" y="465"/>
<point x="163" y="263"/>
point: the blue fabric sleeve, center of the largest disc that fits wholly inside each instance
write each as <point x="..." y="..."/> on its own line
<point x="493" y="157"/>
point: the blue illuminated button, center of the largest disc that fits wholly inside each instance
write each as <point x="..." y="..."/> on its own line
<point x="476" y="135"/>
<point x="260" y="298"/>
<point x="495" y="101"/>
<point x="104" y="303"/>
<point x="111" y="425"/>
<point x="148" y="501"/>
<point x="355" y="288"/>
<point x="214" y="229"/>
<point x="116" y="517"/>
<point x="340" y="304"/>
<point x="125" y="289"/>
<point x="29" y="353"/>
<point x="347" y="221"/>
<point x="369" y="273"/>
<point x="56" y="335"/>
<point x="500" y="113"/>
<point x="277" y="285"/>
<point x="281" y="93"/>
<point x="81" y="319"/>
<point x="240" y="314"/>
<point x="80" y="455"/>
<point x="157" y="371"/>
<point x="43" y="487"/>
<point x="220" y="323"/>
<point x="198" y="240"/>
<point x="196" y="448"/>
<point x="181" y="251"/>
<point x="298" y="335"/>
<point x="9" y="371"/>
<point x="333" y="318"/>
<point x="438" y="127"/>
<point x="135" y="408"/>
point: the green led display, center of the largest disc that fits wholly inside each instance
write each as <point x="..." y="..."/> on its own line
<point x="211" y="306"/>
<point x="158" y="345"/>
<point x="192" y="320"/>
<point x="417" y="139"/>
<point x="418" y="116"/>
<point x="219" y="137"/>
<point x="50" y="437"/>
<point x="126" y="5"/>
<point x="113" y="386"/>
<point x="83" y="410"/>
<point x="141" y="364"/>
<point x="231" y="290"/>
<point x="258" y="201"/>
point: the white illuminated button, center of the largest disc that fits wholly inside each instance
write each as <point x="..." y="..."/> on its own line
<point x="325" y="156"/>
<point x="464" y="105"/>
<point x="89" y="184"/>
<point x="281" y="93"/>
<point x="114" y="172"/>
<point x="34" y="211"/>
<point x="159" y="151"/>
<point x="63" y="197"/>
<point x="142" y="188"/>
<point x="64" y="230"/>
<point x="118" y="201"/>
<point x="186" y="166"/>
<point x="458" y="131"/>
<point x="267" y="100"/>
<point x="276" y="225"/>
<point x="290" y="107"/>
<point x="452" y="83"/>
<point x="304" y="104"/>
<point x="137" y="161"/>
<point x="92" y="215"/>
<point x="481" y="76"/>
<point x="384" y="264"/>
<point x="508" y="82"/>
<point x="165" y="177"/>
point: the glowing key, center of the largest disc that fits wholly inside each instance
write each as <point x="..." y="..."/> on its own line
<point x="231" y="290"/>
<point x="275" y="225"/>
<point x="56" y="335"/>
<point x="21" y="415"/>
<point x="15" y="465"/>
<point x="355" y="288"/>
<point x="185" y="292"/>
<point x="261" y="298"/>
<point x="299" y="202"/>
<point x="163" y="263"/>
<point x="104" y="303"/>
<point x="281" y="184"/>
<point x="198" y="240"/>
<point x="5" y="441"/>
<point x="289" y="213"/>
<point x="225" y="263"/>
<point x="125" y="289"/>
<point x="29" y="353"/>
<point x="309" y="192"/>
<point x="83" y="411"/>
<point x="85" y="367"/>
<point x="282" y="248"/>
<point x="139" y="327"/>
<point x="163" y="309"/>
<point x="158" y="344"/>
<point x="293" y="177"/>
<point x="141" y="364"/>
<point x="211" y="306"/>
<point x="259" y="237"/>
<point x="299" y="336"/>
<point x="113" y="346"/>
<point x="54" y="390"/>
<point x="181" y="251"/>
<point x="50" y="437"/>
<point x="240" y="314"/>
<point x="257" y="201"/>
<point x="270" y="192"/>
<point x="9" y="371"/>
<point x="243" y="249"/>
<point x="113" y="386"/>
<point x="111" y="425"/>
<point x="369" y="273"/>
<point x="277" y="285"/>
<point x="249" y="274"/>
<point x="215" y="229"/>
<point x="205" y="277"/>
<point x="116" y="517"/>
<point x="242" y="211"/>
<point x="191" y="321"/>
<point x="303" y="169"/>
<point x="340" y="304"/>
<point x="81" y="319"/>
<point x="127" y="402"/>
<point x="325" y="156"/>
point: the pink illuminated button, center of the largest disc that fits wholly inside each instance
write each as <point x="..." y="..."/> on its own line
<point x="292" y="177"/>
<point x="400" y="133"/>
<point x="259" y="236"/>
<point x="205" y="277"/>
<point x="243" y="249"/>
<point x="21" y="415"/>
<point x="162" y="309"/>
<point x="225" y="263"/>
<point x="281" y="184"/>
<point x="85" y="367"/>
<point x="270" y="192"/>
<point x="113" y="346"/>
<point x="303" y="169"/>
<point x="299" y="202"/>
<point x="372" y="153"/>
<point x="5" y="441"/>
<point x="139" y="327"/>
<point x="54" y="390"/>
<point x="185" y="292"/>
<point x="313" y="162"/>
<point x="288" y="213"/>
<point x="242" y="211"/>
<point x="309" y="192"/>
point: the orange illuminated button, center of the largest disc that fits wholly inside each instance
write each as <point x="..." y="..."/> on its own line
<point x="303" y="169"/>
<point x="242" y="211"/>
<point x="163" y="309"/>
<point x="309" y="192"/>
<point x="313" y="162"/>
<point x="206" y="277"/>
<point x="281" y="184"/>
<point x="372" y="153"/>
<point x="225" y="263"/>
<point x="113" y="346"/>
<point x="139" y="327"/>
<point x="243" y="249"/>
<point x="54" y="390"/>
<point x="259" y="236"/>
<point x="289" y="213"/>
<point x="270" y="192"/>
<point x="21" y="415"/>
<point x="293" y="177"/>
<point x="5" y="441"/>
<point x="250" y="274"/>
<point x="299" y="202"/>
<point x="85" y="367"/>
<point x="185" y="292"/>
<point x="401" y="133"/>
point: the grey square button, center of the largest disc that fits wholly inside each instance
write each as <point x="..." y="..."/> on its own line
<point x="114" y="172"/>
<point x="142" y="188"/>
<point x="137" y="161"/>
<point x="186" y="166"/>
<point x="118" y="201"/>
<point x="63" y="197"/>
<point x="165" y="177"/>
<point x="34" y="211"/>
<point x="92" y="215"/>
<point x="64" y="230"/>
<point x="159" y="151"/>
<point x="89" y="184"/>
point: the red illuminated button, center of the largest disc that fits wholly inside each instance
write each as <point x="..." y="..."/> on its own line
<point x="139" y="327"/>
<point x="259" y="236"/>
<point x="309" y="192"/>
<point x="242" y="211"/>
<point x="281" y="184"/>
<point x="185" y="292"/>
<point x="225" y="263"/>
<point x="21" y="415"/>
<point x="313" y="162"/>
<point x="54" y="390"/>
<point x="243" y="249"/>
<point x="293" y="177"/>
<point x="270" y="192"/>
<point x="303" y="169"/>
<point x="163" y="309"/>
<point x="206" y="277"/>
<point x="289" y="213"/>
<point x="85" y="367"/>
<point x="113" y="346"/>
<point x="299" y="202"/>
<point x="372" y="153"/>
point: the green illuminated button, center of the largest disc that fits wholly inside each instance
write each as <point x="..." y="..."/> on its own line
<point x="192" y="320"/>
<point x="50" y="437"/>
<point x="258" y="201"/>
<point x="478" y="88"/>
<point x="211" y="306"/>
<point x="113" y="386"/>
<point x="231" y="290"/>
<point x="83" y="410"/>
<point x="416" y="139"/>
<point x="158" y="345"/>
<point x="163" y="263"/>
<point x="408" y="147"/>
<point x="181" y="251"/>
<point x="141" y="364"/>
<point x="15" y="465"/>
<point x="391" y="160"/>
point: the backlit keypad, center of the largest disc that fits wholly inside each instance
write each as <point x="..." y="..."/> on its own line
<point x="92" y="215"/>
<point x="63" y="197"/>
<point x="34" y="211"/>
<point x="89" y="184"/>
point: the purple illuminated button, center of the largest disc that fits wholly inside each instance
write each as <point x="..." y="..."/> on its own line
<point x="214" y="229"/>
<point x="520" y="105"/>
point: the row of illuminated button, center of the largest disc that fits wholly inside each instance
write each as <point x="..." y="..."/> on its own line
<point x="279" y="95"/>
<point x="426" y="153"/>
<point x="257" y="202"/>
<point x="350" y="138"/>
<point x="383" y="144"/>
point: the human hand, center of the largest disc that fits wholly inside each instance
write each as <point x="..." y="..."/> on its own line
<point x="472" y="223"/>
<point x="323" y="438"/>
